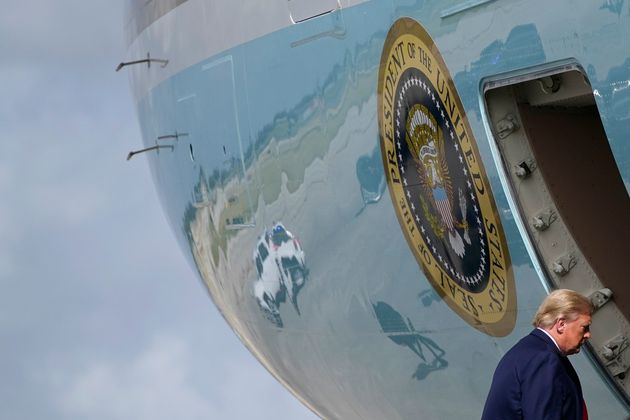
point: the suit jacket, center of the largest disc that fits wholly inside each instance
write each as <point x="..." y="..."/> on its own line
<point x="534" y="381"/>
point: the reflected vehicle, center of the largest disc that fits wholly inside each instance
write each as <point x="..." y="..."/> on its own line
<point x="281" y="271"/>
<point x="621" y="98"/>
<point x="369" y="170"/>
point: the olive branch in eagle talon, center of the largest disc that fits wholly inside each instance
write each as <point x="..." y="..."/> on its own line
<point x="426" y="144"/>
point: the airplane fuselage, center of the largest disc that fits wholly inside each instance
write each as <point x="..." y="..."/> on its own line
<point x="340" y="174"/>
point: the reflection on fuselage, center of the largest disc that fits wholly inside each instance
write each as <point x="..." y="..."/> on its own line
<point x="371" y="177"/>
<point x="281" y="271"/>
<point x="428" y="296"/>
<point x="402" y="332"/>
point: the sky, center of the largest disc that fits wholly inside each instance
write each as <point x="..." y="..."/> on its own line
<point x="100" y="315"/>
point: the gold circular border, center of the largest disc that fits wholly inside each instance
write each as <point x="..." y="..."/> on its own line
<point x="493" y="310"/>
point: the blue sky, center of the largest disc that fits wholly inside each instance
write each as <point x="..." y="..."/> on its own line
<point x="100" y="316"/>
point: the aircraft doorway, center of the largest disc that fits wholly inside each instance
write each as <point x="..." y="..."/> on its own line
<point x="567" y="196"/>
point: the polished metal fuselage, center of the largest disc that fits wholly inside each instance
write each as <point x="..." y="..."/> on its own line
<point x="271" y="176"/>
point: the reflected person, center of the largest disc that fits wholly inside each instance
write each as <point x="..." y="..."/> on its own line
<point x="534" y="379"/>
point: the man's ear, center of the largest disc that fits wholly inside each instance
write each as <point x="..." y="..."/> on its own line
<point x="561" y="325"/>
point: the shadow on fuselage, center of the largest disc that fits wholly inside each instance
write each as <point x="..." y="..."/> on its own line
<point x="402" y="332"/>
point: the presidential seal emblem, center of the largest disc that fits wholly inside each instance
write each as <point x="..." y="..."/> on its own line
<point x="438" y="184"/>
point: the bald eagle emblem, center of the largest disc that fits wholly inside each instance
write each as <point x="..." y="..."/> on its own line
<point x="426" y="143"/>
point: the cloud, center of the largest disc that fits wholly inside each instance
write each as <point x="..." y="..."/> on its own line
<point x="170" y="380"/>
<point x="262" y="398"/>
<point x="8" y="229"/>
<point x="155" y="385"/>
<point x="64" y="32"/>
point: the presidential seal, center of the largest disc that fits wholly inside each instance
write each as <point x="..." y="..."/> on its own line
<point x="438" y="183"/>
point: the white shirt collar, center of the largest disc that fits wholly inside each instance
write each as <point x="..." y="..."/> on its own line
<point x="552" y="339"/>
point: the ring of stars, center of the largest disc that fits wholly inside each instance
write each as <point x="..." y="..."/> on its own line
<point x="470" y="280"/>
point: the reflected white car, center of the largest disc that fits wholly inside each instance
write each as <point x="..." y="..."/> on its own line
<point x="281" y="270"/>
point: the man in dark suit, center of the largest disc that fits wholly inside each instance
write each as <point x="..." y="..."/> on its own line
<point x="534" y="379"/>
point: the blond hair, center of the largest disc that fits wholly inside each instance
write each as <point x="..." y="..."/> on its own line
<point x="561" y="303"/>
